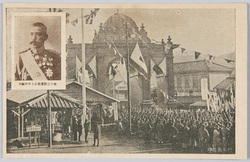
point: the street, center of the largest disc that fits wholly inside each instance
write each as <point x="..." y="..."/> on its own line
<point x="109" y="143"/>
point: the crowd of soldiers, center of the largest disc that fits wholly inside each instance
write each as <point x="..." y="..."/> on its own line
<point x="191" y="131"/>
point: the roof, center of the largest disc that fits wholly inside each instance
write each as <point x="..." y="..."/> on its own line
<point x="191" y="66"/>
<point x="200" y="66"/>
<point x="118" y="21"/>
<point x="38" y="99"/>
<point x="198" y="104"/>
<point x="57" y="100"/>
<point x="225" y="84"/>
<point x="219" y="59"/>
<point x="100" y="94"/>
<point x="218" y="67"/>
<point x="22" y="96"/>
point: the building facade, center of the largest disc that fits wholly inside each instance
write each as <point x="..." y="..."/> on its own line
<point x="188" y="76"/>
<point x="109" y="44"/>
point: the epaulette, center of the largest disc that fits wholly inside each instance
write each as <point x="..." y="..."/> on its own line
<point x="53" y="51"/>
<point x="24" y="51"/>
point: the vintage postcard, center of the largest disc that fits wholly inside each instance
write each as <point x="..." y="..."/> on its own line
<point x="125" y="81"/>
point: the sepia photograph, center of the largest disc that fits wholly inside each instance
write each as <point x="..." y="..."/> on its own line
<point x="141" y="81"/>
<point x="36" y="53"/>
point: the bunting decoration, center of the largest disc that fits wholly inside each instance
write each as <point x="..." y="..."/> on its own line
<point x="228" y="61"/>
<point x="182" y="50"/>
<point x="116" y="51"/>
<point x="197" y="54"/>
<point x="210" y="57"/>
<point x="89" y="18"/>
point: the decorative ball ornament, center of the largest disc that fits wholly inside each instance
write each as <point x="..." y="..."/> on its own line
<point x="45" y="59"/>
<point x="37" y="57"/>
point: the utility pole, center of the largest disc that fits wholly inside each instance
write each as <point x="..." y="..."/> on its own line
<point x="128" y="84"/>
<point x="83" y="74"/>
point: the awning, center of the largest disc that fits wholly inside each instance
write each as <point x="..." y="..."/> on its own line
<point x="38" y="99"/>
<point x="58" y="100"/>
<point x="225" y="84"/>
<point x="198" y="104"/>
<point x="22" y="96"/>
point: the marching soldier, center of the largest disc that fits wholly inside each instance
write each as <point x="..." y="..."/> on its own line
<point x="38" y="63"/>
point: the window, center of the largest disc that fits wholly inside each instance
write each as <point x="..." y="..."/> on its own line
<point x="179" y="87"/>
<point x="195" y="82"/>
<point x="186" y="82"/>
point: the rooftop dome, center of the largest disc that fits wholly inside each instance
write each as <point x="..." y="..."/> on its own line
<point x="118" y="20"/>
<point x="114" y="29"/>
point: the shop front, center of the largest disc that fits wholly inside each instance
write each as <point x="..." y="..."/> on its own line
<point x="32" y="112"/>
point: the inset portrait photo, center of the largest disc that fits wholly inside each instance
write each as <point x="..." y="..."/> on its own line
<point x="38" y="50"/>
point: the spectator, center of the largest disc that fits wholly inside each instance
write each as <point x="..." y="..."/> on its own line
<point x="86" y="130"/>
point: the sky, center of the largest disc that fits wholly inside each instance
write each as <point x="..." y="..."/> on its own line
<point x="209" y="31"/>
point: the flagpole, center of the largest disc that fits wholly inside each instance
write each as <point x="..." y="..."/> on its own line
<point x="128" y="85"/>
<point x="83" y="73"/>
<point x="49" y="120"/>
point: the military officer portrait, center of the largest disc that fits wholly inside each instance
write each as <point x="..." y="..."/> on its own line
<point x="37" y="63"/>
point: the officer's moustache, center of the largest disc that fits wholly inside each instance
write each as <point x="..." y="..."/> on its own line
<point x="32" y="42"/>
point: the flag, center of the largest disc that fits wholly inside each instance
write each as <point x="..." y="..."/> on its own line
<point x="210" y="57"/>
<point x="204" y="88"/>
<point x="79" y="71"/>
<point x="78" y="66"/>
<point x="182" y="50"/>
<point x="73" y="23"/>
<point x="92" y="65"/>
<point x="114" y="51"/>
<point x="113" y="70"/>
<point x="89" y="18"/>
<point x="163" y="66"/>
<point x="228" y="61"/>
<point x="197" y="54"/>
<point x="157" y="70"/>
<point x="153" y="80"/>
<point x="121" y="69"/>
<point x="138" y="59"/>
<point x="167" y="48"/>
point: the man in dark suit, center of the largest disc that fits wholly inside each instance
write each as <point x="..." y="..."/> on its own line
<point x="86" y="129"/>
<point x="96" y="129"/>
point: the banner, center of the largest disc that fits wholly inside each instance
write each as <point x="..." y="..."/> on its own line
<point x="137" y="57"/>
<point x="204" y="88"/>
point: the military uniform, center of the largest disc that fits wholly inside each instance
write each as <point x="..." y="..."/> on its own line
<point x="46" y="65"/>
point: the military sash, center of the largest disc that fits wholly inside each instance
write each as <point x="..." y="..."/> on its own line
<point x="31" y="66"/>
